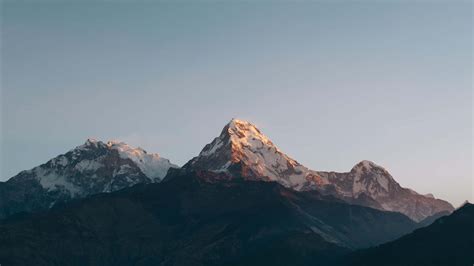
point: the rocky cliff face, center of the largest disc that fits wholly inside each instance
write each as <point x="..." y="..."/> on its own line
<point x="243" y="150"/>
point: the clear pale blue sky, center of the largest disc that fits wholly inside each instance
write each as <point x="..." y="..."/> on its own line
<point x="330" y="83"/>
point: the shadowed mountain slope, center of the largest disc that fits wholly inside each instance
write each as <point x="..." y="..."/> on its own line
<point x="447" y="241"/>
<point x="196" y="219"/>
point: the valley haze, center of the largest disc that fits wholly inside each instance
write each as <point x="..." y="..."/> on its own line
<point x="240" y="201"/>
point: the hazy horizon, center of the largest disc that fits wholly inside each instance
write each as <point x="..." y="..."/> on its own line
<point x="330" y="84"/>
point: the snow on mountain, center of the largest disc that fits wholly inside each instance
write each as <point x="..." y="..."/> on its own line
<point x="152" y="165"/>
<point x="113" y="161"/>
<point x="243" y="150"/>
<point x="372" y="185"/>
<point x="91" y="168"/>
<point x="375" y="184"/>
<point x="243" y="144"/>
<point x="240" y="151"/>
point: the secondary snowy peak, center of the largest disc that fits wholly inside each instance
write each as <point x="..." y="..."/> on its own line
<point x="367" y="165"/>
<point x="152" y="165"/>
<point x="372" y="185"/>
<point x="371" y="179"/>
<point x="91" y="168"/>
<point x="95" y="167"/>
<point x="242" y="147"/>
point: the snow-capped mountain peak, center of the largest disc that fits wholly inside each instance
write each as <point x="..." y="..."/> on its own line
<point x="96" y="167"/>
<point x="251" y="145"/>
<point x="90" y="143"/>
<point x="240" y="134"/>
<point x="242" y="150"/>
<point x="246" y="133"/>
<point x="243" y="145"/>
<point x="367" y="166"/>
<point x="371" y="179"/>
<point x="91" y="168"/>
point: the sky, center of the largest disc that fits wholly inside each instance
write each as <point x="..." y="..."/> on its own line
<point x="331" y="83"/>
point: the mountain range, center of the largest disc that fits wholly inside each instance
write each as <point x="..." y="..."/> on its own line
<point x="240" y="201"/>
<point x="240" y="150"/>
